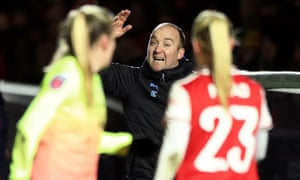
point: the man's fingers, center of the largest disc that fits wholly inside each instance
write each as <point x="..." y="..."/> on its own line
<point x="122" y="15"/>
<point x="119" y="22"/>
<point x="127" y="28"/>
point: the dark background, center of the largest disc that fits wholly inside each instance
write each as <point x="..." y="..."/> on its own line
<point x="267" y="31"/>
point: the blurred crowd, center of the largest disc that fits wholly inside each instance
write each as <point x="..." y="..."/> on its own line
<point x="267" y="31"/>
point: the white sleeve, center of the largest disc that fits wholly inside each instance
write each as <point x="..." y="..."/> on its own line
<point x="262" y="138"/>
<point x="266" y="119"/>
<point x="265" y="125"/>
<point x="177" y="116"/>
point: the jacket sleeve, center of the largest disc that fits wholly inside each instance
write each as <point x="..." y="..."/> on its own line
<point x="118" y="78"/>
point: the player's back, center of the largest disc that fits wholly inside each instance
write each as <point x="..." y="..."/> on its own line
<point x="221" y="145"/>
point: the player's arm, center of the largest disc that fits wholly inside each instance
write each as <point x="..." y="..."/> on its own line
<point x="115" y="143"/>
<point x="262" y="139"/>
<point x="176" y="136"/>
<point x="265" y="126"/>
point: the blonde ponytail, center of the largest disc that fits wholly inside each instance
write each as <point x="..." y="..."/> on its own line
<point x="222" y="59"/>
<point x="80" y="43"/>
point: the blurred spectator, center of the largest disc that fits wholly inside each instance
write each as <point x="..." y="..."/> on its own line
<point x="53" y="13"/>
<point x="21" y="60"/>
<point x="248" y="51"/>
<point x="4" y="39"/>
<point x="294" y="64"/>
<point x="269" y="56"/>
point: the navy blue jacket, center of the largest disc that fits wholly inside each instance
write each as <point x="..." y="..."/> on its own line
<point x="144" y="95"/>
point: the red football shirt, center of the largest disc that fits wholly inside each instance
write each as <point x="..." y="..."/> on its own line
<point x="220" y="145"/>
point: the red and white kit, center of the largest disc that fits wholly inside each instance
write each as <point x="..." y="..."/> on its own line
<point x="208" y="142"/>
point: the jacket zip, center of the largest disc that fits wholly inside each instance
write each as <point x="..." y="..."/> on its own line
<point x="162" y="79"/>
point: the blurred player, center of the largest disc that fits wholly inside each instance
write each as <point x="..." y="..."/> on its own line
<point x="217" y="120"/>
<point x="58" y="137"/>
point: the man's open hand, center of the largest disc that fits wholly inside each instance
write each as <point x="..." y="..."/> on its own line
<point x="118" y="24"/>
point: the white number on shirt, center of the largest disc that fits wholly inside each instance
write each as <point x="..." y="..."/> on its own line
<point x="207" y="160"/>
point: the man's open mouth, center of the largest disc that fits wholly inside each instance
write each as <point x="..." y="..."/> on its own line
<point x="159" y="59"/>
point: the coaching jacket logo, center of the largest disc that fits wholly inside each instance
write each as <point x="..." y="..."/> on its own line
<point x="154" y="90"/>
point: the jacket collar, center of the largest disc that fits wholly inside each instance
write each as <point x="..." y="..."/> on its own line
<point x="184" y="67"/>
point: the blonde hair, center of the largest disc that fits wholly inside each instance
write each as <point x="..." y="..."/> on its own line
<point x="212" y="29"/>
<point x="78" y="32"/>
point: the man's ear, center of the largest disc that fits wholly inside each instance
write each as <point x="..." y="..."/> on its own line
<point x="180" y="53"/>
